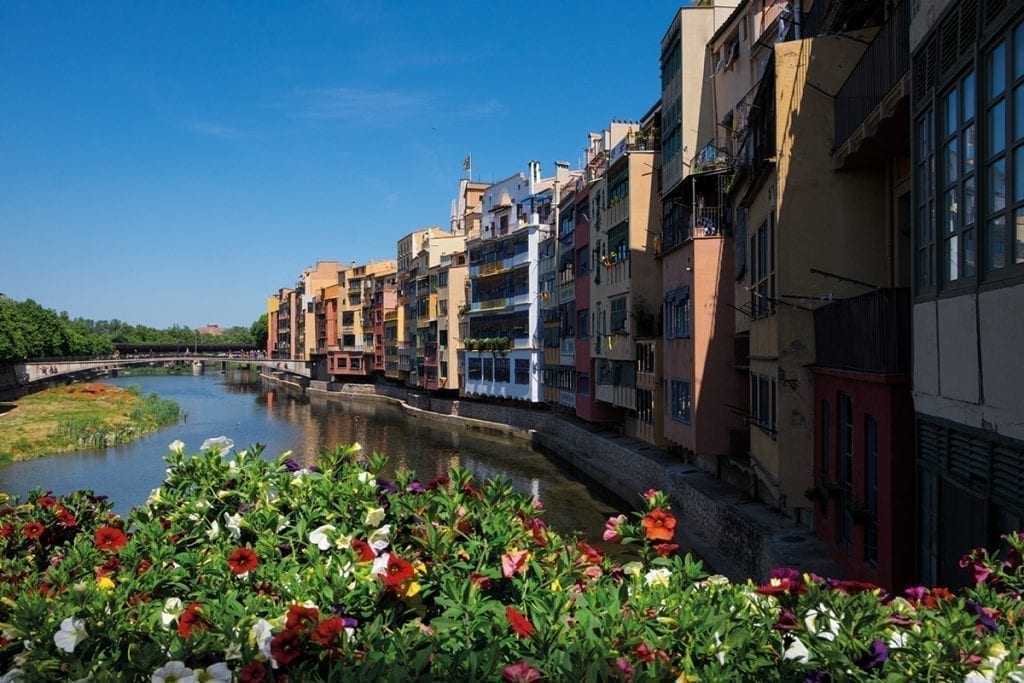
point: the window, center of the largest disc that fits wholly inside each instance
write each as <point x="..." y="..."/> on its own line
<point x="522" y="371"/>
<point x="474" y="367"/>
<point x="347" y="318"/>
<point x="442" y="278"/>
<point x="442" y="307"/>
<point x="762" y="269"/>
<point x="680" y="401"/>
<point x="618" y="314"/>
<point x="501" y="370"/>
<point x="826" y="452"/>
<point x="356" y="363"/>
<point x="957" y="208"/>
<point x="582" y="262"/>
<point x="583" y="324"/>
<point x="1004" y="151"/>
<point x="645" y="406"/>
<point x="583" y="384"/>
<point x="618" y="243"/>
<point x="925" y="146"/>
<point x="677" y="313"/>
<point x="488" y="368"/>
<point x="844" y="517"/>
<point x="762" y="403"/>
<point x="871" y="489"/>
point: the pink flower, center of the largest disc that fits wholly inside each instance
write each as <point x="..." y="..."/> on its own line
<point x="520" y="672"/>
<point x="624" y="667"/>
<point x="613" y="528"/>
<point x="514" y="563"/>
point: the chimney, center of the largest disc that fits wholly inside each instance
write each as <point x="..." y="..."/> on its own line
<point x="534" y="167"/>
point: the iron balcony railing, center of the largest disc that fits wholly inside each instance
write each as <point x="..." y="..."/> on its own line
<point x="866" y="333"/>
<point x="881" y="67"/>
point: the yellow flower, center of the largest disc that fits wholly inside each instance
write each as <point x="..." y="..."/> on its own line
<point x="412" y="589"/>
<point x="555" y="586"/>
<point x="105" y="583"/>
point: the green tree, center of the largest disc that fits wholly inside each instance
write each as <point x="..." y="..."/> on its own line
<point x="259" y="331"/>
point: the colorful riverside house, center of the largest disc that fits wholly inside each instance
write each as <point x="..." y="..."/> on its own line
<point x="381" y="296"/>
<point x="409" y="265"/>
<point x="706" y="93"/>
<point x="453" y="285"/>
<point x="967" y="118"/>
<point x="350" y="351"/>
<point x="558" y="296"/>
<point x="430" y="265"/>
<point x="502" y="350"/>
<point x="862" y="496"/>
<point x="589" y="187"/>
<point x="813" y="232"/>
<point x="625" y="290"/>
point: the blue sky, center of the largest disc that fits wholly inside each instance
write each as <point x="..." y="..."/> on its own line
<point x="176" y="162"/>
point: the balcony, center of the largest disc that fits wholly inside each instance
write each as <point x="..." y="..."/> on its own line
<point x="866" y="333"/>
<point x="870" y="102"/>
<point x="709" y="221"/>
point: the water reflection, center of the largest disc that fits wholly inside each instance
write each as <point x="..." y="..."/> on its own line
<point x="249" y="412"/>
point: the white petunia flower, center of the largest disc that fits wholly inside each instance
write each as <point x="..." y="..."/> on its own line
<point x="828" y="629"/>
<point x="796" y="650"/>
<point x="343" y="542"/>
<point x="218" y="673"/>
<point x="380" y="538"/>
<point x="632" y="568"/>
<point x="71" y="633"/>
<point x="658" y="577"/>
<point x="380" y="564"/>
<point x="13" y="676"/>
<point x="177" y="446"/>
<point x="366" y="478"/>
<point x="260" y="634"/>
<point x="233" y="651"/>
<point x="174" y="672"/>
<point x="319" y="537"/>
<point x="214" y="531"/>
<point x="233" y="524"/>
<point x="221" y="444"/>
<point x="172" y="610"/>
<point x="374" y="517"/>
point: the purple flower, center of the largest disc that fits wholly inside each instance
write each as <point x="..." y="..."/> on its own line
<point x="984" y="615"/>
<point x="787" y="621"/>
<point x="787" y="573"/>
<point x="916" y="592"/>
<point x="385" y="486"/>
<point x="314" y="468"/>
<point x="415" y="487"/>
<point x="291" y="465"/>
<point x="818" y="676"/>
<point x="878" y="654"/>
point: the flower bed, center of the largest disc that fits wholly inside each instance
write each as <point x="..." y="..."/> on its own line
<point x="238" y="568"/>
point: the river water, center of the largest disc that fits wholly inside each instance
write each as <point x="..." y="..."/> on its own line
<point x="249" y="412"/>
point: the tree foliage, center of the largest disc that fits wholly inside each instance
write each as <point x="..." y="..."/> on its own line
<point x="29" y="331"/>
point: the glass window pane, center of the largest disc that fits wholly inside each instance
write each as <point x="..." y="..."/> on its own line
<point x="996" y="71"/>
<point x="951" y="170"/>
<point x="970" y="257"/>
<point x="1018" y="174"/>
<point x="923" y="138"/>
<point x="951" y="221"/>
<point x="951" y="259"/>
<point x="969" y="212"/>
<point x="969" y="144"/>
<point x="1018" y="219"/>
<point x="1018" y="51"/>
<point x="968" y="95"/>
<point x="996" y="239"/>
<point x="997" y="186"/>
<point x="952" y="121"/>
<point x="1018" y="112"/>
<point x="997" y="128"/>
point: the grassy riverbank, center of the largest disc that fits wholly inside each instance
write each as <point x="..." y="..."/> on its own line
<point x="80" y="416"/>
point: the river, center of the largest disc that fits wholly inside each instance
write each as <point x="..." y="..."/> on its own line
<point x="250" y="412"/>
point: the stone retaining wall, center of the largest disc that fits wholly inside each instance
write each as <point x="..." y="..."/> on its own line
<point x="737" y="537"/>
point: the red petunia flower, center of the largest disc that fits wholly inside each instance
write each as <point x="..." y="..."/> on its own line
<point x="252" y="673"/>
<point x="328" y="630"/>
<point x="46" y="501"/>
<point x="659" y="525"/>
<point x="33" y="529"/>
<point x="6" y="530"/>
<point x="191" y="621"/>
<point x="286" y="646"/>
<point x="66" y="519"/>
<point x="588" y="553"/>
<point x="301" y="618"/>
<point x="364" y="550"/>
<point x="398" y="571"/>
<point x="665" y="549"/>
<point x="110" y="538"/>
<point x="243" y="560"/>
<point x="518" y="621"/>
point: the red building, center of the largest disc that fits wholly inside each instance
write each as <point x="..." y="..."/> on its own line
<point x="864" y="436"/>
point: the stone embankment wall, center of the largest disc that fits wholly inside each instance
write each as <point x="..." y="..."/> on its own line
<point x="736" y="536"/>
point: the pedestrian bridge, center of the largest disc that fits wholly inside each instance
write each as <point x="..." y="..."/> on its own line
<point x="31" y="372"/>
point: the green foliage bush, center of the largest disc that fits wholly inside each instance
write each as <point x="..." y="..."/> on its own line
<point x="238" y="568"/>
